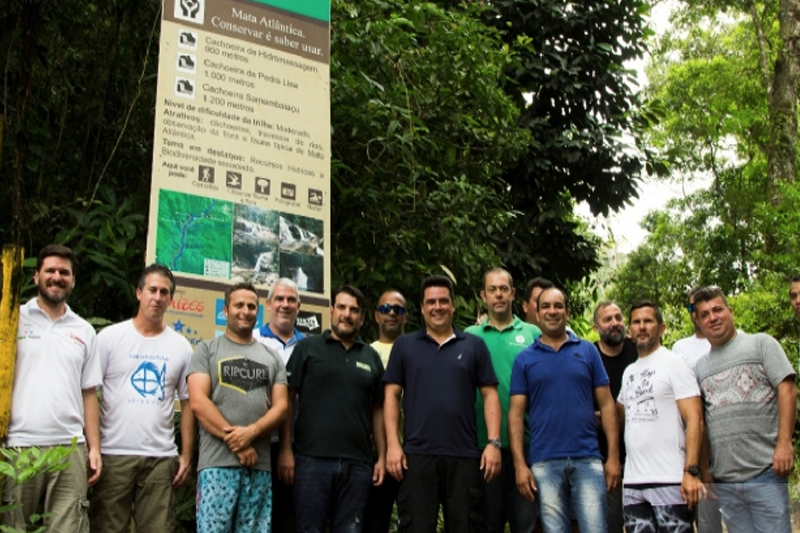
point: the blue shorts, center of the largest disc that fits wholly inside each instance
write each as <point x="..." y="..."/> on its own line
<point x="234" y="499"/>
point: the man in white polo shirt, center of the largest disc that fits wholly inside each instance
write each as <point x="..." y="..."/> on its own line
<point x="144" y="365"/>
<point x="54" y="399"/>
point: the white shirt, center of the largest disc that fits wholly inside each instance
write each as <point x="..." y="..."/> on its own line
<point x="56" y="361"/>
<point x="141" y="376"/>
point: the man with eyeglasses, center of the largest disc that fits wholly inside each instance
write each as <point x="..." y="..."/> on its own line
<point x="506" y="336"/>
<point x="390" y="315"/>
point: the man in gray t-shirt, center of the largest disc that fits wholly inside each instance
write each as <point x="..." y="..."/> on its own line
<point x="237" y="391"/>
<point x="749" y="399"/>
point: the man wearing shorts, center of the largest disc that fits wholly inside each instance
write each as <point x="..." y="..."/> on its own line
<point x="663" y="431"/>
<point x="237" y="391"/>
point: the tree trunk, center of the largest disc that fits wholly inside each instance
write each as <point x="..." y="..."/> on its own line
<point x="782" y="164"/>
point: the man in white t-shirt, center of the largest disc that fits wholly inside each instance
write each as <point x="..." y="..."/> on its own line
<point x="692" y="349"/>
<point x="54" y="399"/>
<point x="663" y="413"/>
<point x="282" y="336"/>
<point x="695" y="346"/>
<point x="144" y="365"/>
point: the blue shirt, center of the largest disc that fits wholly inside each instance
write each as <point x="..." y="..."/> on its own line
<point x="560" y="388"/>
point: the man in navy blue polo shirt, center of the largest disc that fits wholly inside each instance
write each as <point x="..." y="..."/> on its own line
<point x="437" y="370"/>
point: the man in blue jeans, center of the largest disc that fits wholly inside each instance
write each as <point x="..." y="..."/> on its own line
<point x="557" y="379"/>
<point x="338" y="379"/>
<point x="749" y="396"/>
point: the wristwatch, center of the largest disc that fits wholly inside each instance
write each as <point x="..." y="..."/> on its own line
<point x="496" y="443"/>
<point x="692" y="470"/>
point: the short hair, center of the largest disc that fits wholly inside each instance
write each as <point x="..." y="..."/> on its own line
<point x="161" y="270"/>
<point x="647" y="303"/>
<point x="352" y="291"/>
<point x="242" y="285"/>
<point x="601" y="305"/>
<point x="706" y="294"/>
<point x="559" y="289"/>
<point x="388" y="291"/>
<point x="437" y="280"/>
<point x="283" y="282"/>
<point x="541" y="283"/>
<point x="498" y="270"/>
<point x="795" y="279"/>
<point x="59" y="251"/>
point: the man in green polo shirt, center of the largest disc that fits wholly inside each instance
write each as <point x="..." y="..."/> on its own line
<point x="506" y="336"/>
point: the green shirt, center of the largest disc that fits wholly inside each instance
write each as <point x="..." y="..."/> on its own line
<point x="504" y="346"/>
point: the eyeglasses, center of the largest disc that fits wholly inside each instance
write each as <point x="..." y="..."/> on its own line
<point x="385" y="309"/>
<point x="691" y="307"/>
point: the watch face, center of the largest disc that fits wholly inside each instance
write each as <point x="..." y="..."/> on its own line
<point x="693" y="470"/>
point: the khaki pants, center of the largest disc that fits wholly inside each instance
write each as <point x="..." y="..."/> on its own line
<point x="132" y="485"/>
<point x="60" y="495"/>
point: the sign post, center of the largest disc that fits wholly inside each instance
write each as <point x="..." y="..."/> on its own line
<point x="241" y="159"/>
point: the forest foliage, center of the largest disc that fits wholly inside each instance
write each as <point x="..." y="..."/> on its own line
<point x="462" y="136"/>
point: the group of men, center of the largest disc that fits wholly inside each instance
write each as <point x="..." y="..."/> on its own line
<point x="509" y="422"/>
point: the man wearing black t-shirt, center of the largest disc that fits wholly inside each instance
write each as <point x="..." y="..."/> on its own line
<point x="617" y="352"/>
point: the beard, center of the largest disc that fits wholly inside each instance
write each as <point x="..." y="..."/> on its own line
<point x="613" y="336"/>
<point x="57" y="298"/>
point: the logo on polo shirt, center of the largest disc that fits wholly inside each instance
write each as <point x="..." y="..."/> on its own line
<point x="520" y="339"/>
<point x="363" y="366"/>
<point x="27" y="332"/>
<point x="241" y="374"/>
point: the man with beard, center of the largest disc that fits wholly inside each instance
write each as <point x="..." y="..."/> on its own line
<point x="661" y="403"/>
<point x="54" y="399"/>
<point x="280" y="335"/>
<point x="237" y="391"/>
<point x="144" y="365"/>
<point x="617" y="352"/>
<point x="506" y="336"/>
<point x="390" y="315"/>
<point x="338" y="379"/>
<point x="556" y="381"/>
<point x="438" y="371"/>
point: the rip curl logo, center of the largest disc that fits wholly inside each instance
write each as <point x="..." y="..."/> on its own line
<point x="241" y="374"/>
<point x="148" y="380"/>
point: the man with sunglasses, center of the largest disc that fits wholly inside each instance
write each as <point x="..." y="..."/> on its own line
<point x="506" y="336"/>
<point x="695" y="346"/>
<point x="390" y="315"/>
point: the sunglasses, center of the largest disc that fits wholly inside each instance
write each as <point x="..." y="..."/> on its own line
<point x="691" y="307"/>
<point x="385" y="309"/>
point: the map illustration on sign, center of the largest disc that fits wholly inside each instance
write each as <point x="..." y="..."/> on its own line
<point x="194" y="234"/>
